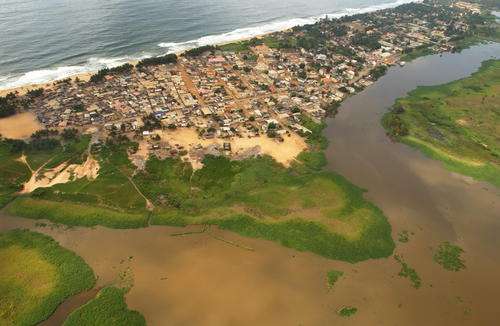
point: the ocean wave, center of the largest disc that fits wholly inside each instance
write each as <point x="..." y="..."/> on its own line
<point x="237" y="34"/>
<point x="250" y="32"/>
<point x="94" y="64"/>
<point x="52" y="74"/>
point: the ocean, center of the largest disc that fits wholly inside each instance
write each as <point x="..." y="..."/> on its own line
<point x="44" y="40"/>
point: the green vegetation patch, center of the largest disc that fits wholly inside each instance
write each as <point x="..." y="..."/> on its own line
<point x="107" y="308"/>
<point x="241" y="46"/>
<point x="36" y="275"/>
<point x="75" y="214"/>
<point x="302" y="207"/>
<point x="347" y="311"/>
<point x="45" y="150"/>
<point x="13" y="173"/>
<point x="315" y="139"/>
<point x="457" y="123"/>
<point x="408" y="272"/>
<point x="404" y="236"/>
<point x="109" y="200"/>
<point x="449" y="256"/>
<point x="412" y="54"/>
<point x="332" y="277"/>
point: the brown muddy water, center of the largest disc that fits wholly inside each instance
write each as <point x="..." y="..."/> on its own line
<point x="68" y="306"/>
<point x="200" y="280"/>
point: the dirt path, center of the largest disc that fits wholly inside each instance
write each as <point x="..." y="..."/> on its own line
<point x="190" y="85"/>
<point x="149" y="204"/>
<point x="23" y="159"/>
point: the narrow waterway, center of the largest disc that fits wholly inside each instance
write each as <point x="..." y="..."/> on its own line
<point x="200" y="280"/>
<point x="68" y="306"/>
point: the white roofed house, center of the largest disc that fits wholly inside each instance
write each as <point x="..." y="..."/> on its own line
<point x="206" y="111"/>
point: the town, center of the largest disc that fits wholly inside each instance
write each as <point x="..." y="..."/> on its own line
<point x="254" y="96"/>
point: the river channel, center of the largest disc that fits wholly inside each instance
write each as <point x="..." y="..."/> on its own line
<point x="201" y="280"/>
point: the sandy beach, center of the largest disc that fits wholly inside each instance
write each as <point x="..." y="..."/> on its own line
<point x="24" y="89"/>
<point x="86" y="76"/>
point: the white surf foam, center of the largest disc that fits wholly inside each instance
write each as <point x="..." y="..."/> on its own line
<point x="58" y="73"/>
<point x="94" y="64"/>
<point x="250" y="32"/>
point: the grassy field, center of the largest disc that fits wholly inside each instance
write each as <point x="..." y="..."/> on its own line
<point x="69" y="213"/>
<point x="36" y="275"/>
<point x="107" y="308"/>
<point x="13" y="173"/>
<point x="457" y="123"/>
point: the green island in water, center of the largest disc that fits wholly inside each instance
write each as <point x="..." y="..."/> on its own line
<point x="456" y="123"/>
<point x="36" y="275"/>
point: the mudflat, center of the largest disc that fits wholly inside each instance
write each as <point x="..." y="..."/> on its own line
<point x="19" y="126"/>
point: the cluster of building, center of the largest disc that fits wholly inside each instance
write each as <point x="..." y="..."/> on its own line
<point x="266" y="89"/>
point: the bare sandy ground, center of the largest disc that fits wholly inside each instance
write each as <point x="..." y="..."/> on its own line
<point x="63" y="173"/>
<point x="140" y="157"/>
<point x="284" y="153"/>
<point x="19" y="126"/>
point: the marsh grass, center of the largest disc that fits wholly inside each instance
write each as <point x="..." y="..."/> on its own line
<point x="449" y="256"/>
<point x="107" y="308"/>
<point x="404" y="236"/>
<point x="332" y="277"/>
<point x="455" y="123"/>
<point x="408" y="272"/>
<point x="75" y="214"/>
<point x="36" y="275"/>
<point x="347" y="311"/>
<point x="303" y="207"/>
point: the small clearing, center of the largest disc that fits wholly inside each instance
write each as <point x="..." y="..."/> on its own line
<point x="283" y="152"/>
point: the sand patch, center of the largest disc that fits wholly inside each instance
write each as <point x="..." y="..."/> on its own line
<point x="462" y="122"/>
<point x="62" y="173"/>
<point x="19" y="126"/>
<point x="140" y="157"/>
<point x="463" y="160"/>
<point x="283" y="152"/>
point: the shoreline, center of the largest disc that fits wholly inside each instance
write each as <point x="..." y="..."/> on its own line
<point x="22" y="89"/>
